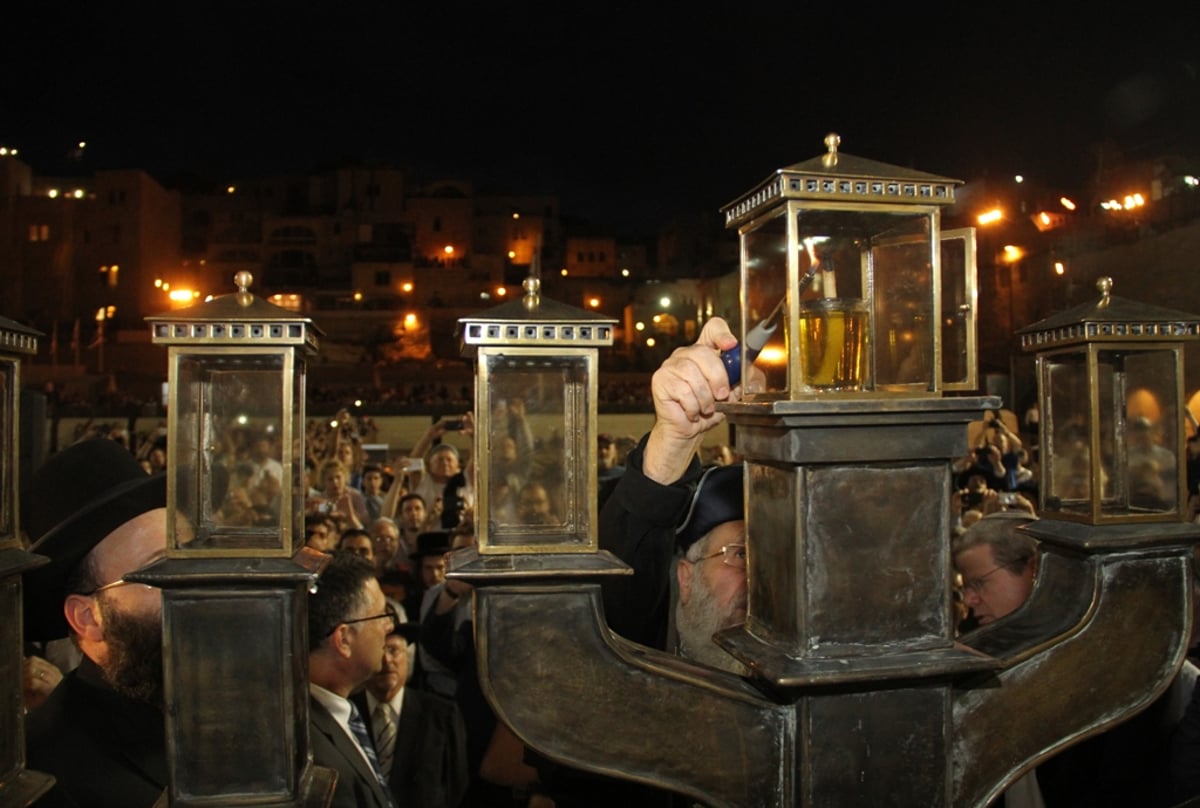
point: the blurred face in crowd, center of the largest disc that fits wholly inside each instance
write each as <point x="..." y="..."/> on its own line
<point x="990" y="590"/>
<point x="443" y="465"/>
<point x="533" y="506"/>
<point x="433" y="570"/>
<point x="322" y="536"/>
<point x="608" y="455"/>
<point x="394" y="673"/>
<point x="372" y="483"/>
<point x="387" y="539"/>
<point x="412" y="513"/>
<point x="334" y="481"/>
<point x="360" y="545"/>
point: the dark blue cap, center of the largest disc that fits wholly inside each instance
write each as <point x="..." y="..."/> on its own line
<point x="718" y="499"/>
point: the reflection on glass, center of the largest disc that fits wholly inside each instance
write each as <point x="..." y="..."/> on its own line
<point x="231" y="485"/>
<point x="535" y="494"/>
<point x="1152" y="431"/>
<point x="903" y="280"/>
<point x="1069" y="478"/>
<point x="765" y="286"/>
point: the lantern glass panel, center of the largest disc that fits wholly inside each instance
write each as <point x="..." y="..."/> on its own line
<point x="229" y="476"/>
<point x="899" y="259"/>
<point x="1067" y="479"/>
<point x="8" y="431"/>
<point x="1152" y="428"/>
<point x="538" y="446"/>
<point x="765" y="249"/>
<point x="958" y="280"/>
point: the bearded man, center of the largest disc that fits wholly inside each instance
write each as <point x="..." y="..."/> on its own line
<point x="96" y="514"/>
<point x="666" y="503"/>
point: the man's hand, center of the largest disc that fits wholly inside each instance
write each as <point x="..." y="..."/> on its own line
<point x="686" y="389"/>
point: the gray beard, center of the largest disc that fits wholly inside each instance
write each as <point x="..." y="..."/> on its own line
<point x="697" y="622"/>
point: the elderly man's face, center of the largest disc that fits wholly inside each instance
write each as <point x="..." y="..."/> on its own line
<point x="394" y="673"/>
<point x="712" y="595"/>
<point x="992" y="591"/>
<point x="387" y="540"/>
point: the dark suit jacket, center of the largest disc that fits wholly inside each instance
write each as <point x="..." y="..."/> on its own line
<point x="429" y="765"/>
<point x="104" y="749"/>
<point x="332" y="747"/>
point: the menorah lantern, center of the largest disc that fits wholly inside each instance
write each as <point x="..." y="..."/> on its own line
<point x="535" y="423"/>
<point x="849" y="285"/>
<point x="18" y="785"/>
<point x="1110" y="394"/>
<point x="234" y="586"/>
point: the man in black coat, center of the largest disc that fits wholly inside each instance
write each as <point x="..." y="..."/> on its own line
<point x="96" y="514"/>
<point x="420" y="737"/>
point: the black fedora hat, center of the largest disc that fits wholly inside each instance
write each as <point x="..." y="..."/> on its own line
<point x="79" y="496"/>
<point x="433" y="543"/>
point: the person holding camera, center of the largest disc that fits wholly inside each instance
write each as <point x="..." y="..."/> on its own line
<point x="441" y="479"/>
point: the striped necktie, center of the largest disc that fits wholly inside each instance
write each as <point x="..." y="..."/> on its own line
<point x="383" y="722"/>
<point x="364" y="741"/>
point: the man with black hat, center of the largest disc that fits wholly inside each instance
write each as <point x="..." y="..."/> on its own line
<point x="666" y="502"/>
<point x="96" y="514"/>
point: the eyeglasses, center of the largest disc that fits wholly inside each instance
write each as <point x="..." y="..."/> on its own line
<point x="390" y="614"/>
<point x="977" y="585"/>
<point x="115" y="584"/>
<point x="734" y="555"/>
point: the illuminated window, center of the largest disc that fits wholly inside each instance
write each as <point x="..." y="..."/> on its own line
<point x="39" y="232"/>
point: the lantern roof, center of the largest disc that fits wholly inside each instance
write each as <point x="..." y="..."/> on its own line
<point x="535" y="321"/>
<point x="17" y="337"/>
<point x="238" y="318"/>
<point x="839" y="177"/>
<point x="1107" y="319"/>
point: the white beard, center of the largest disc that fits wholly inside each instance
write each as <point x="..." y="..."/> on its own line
<point x="697" y="622"/>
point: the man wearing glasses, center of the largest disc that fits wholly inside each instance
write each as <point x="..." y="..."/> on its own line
<point x="348" y="624"/>
<point x="666" y="503"/>
<point x="998" y="565"/>
<point x="96" y="514"/>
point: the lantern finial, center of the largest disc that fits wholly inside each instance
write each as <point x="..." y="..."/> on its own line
<point x="533" y="287"/>
<point x="1105" y="286"/>
<point x="243" y="280"/>
<point x="830" y="158"/>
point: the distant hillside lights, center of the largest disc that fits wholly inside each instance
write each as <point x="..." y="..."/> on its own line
<point x="1130" y="202"/>
<point x="176" y="296"/>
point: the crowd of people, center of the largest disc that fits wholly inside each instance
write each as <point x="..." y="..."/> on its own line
<point x="396" y="706"/>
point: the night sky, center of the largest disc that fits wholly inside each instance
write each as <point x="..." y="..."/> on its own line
<point x="631" y="113"/>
